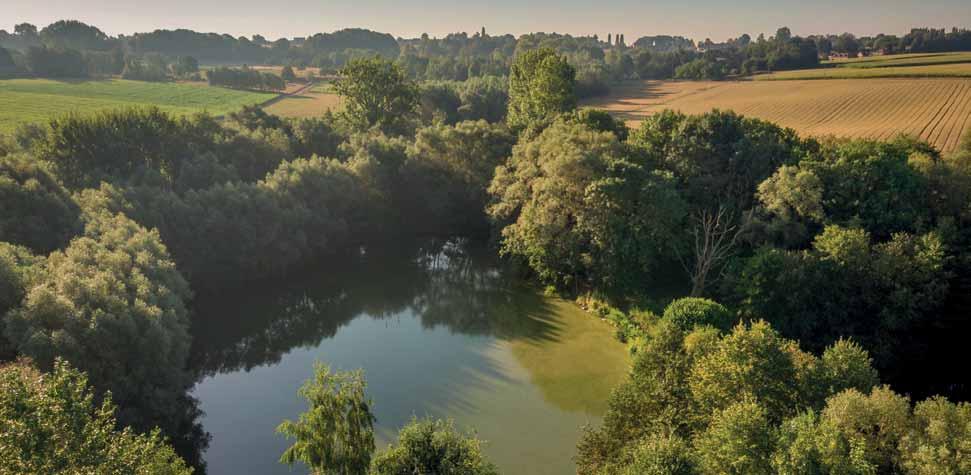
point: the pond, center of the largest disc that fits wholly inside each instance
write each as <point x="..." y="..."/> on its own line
<point x="439" y="330"/>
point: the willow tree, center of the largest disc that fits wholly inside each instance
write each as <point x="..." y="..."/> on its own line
<point x="336" y="434"/>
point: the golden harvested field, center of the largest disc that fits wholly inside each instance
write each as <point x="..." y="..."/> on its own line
<point x="937" y="110"/>
<point x="307" y="104"/>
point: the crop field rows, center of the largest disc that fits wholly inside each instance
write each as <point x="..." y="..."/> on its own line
<point x="936" y="110"/>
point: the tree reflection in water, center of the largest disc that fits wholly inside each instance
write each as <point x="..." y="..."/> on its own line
<point x="455" y="284"/>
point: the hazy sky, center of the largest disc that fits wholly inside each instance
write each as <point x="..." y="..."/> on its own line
<point x="697" y="19"/>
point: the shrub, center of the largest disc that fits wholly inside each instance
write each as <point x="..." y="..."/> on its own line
<point x="433" y="446"/>
<point x="690" y="312"/>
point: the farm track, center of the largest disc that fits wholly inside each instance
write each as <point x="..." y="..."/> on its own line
<point x="937" y="110"/>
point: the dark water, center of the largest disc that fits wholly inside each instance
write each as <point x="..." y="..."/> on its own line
<point x="439" y="330"/>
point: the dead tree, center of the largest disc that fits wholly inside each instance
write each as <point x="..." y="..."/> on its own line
<point x="715" y="233"/>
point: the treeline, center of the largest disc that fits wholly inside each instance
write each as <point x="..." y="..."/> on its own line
<point x="455" y="57"/>
<point x="74" y="49"/>
<point x="601" y="63"/>
<point x="245" y="78"/>
<point x="919" y="40"/>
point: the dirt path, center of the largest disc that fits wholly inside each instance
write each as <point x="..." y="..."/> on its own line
<point x="284" y="95"/>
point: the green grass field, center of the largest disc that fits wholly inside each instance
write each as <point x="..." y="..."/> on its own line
<point x="37" y="100"/>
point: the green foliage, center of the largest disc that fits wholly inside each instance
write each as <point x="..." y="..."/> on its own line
<point x="867" y="184"/>
<point x="85" y="151"/>
<point x="738" y="441"/>
<point x="433" y="446"/>
<point x="541" y="86"/>
<point x="581" y="211"/>
<point x="439" y="103"/>
<point x="38" y="212"/>
<point x="245" y="78"/>
<point x="866" y="429"/>
<point x="336" y="434"/>
<point x="57" y="62"/>
<point x="113" y="304"/>
<point x="53" y="426"/>
<point x="728" y="393"/>
<point x="484" y="98"/>
<point x="718" y="158"/>
<point x="7" y="64"/>
<point x="797" y="446"/>
<point x="751" y="363"/>
<point x="287" y="74"/>
<point x="305" y="208"/>
<point x="481" y="98"/>
<point x="941" y="440"/>
<point x="655" y="399"/>
<point x="846" y="286"/>
<point x="687" y="313"/>
<point x="147" y="68"/>
<point x="793" y="192"/>
<point x="600" y="120"/>
<point x="845" y="365"/>
<point x="74" y="34"/>
<point x="701" y="69"/>
<point x="186" y="66"/>
<point x="447" y="172"/>
<point x="377" y="93"/>
<point x="19" y="269"/>
<point x="660" y="455"/>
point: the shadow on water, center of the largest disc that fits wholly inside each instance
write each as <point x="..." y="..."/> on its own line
<point x="456" y="285"/>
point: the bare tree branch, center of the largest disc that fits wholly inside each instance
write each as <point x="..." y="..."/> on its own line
<point x="715" y="234"/>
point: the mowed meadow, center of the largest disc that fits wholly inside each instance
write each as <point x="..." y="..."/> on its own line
<point x="937" y="110"/>
<point x="311" y="102"/>
<point x="38" y="100"/>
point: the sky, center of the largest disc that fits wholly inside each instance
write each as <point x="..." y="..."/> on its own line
<point x="696" y="19"/>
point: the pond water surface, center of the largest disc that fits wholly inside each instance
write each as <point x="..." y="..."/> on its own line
<point x="439" y="330"/>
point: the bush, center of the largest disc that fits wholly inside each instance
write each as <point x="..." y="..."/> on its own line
<point x="690" y="312"/>
<point x="433" y="446"/>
